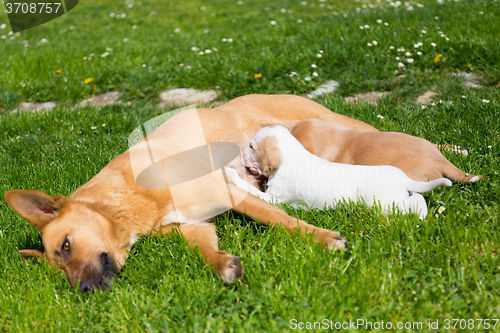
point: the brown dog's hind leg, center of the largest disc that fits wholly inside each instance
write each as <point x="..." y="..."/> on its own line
<point x="203" y="236"/>
<point x="451" y="171"/>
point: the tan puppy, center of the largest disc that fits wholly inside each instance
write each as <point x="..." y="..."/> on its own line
<point x="88" y="234"/>
<point x="417" y="157"/>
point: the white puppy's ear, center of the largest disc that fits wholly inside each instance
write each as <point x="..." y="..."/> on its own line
<point x="272" y="155"/>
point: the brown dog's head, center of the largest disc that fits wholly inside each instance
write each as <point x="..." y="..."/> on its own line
<point x="76" y="239"/>
<point x="262" y="155"/>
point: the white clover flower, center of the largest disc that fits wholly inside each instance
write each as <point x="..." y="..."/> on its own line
<point x="433" y="44"/>
<point x="112" y="14"/>
<point x="447" y="39"/>
<point x="366" y="26"/>
<point x="207" y="51"/>
<point x="440" y="101"/>
<point x="143" y="65"/>
<point x="416" y="46"/>
<point x="319" y="55"/>
<point x="436" y="18"/>
<point x="43" y="40"/>
<point x="181" y="65"/>
<point x="489" y="147"/>
<point x="423" y="31"/>
<point x="321" y="51"/>
<point x="3" y="37"/>
<point x="361" y="27"/>
<point x="307" y="78"/>
<point x="272" y="22"/>
<point x="409" y="60"/>
<point x="424" y="107"/>
<point x="194" y="48"/>
<point x="400" y="64"/>
<point x="379" y="21"/>
<point x="397" y="58"/>
<point x="391" y="47"/>
<point x="420" y="44"/>
<point x="485" y="101"/>
<point x="299" y="21"/>
<point x="124" y="15"/>
<point x="224" y="40"/>
<point x="93" y="127"/>
<point x="369" y="44"/>
<point x="315" y="74"/>
<point x="176" y="30"/>
<point x="433" y="104"/>
<point x="464" y="97"/>
<point x="201" y="53"/>
<point x="105" y="54"/>
<point x="441" y="209"/>
<point x="408" y="54"/>
<point x="314" y="66"/>
<point x="386" y="24"/>
<point x="380" y="116"/>
<point x="109" y="49"/>
<point x="11" y="33"/>
<point x="419" y="53"/>
<point x="374" y="42"/>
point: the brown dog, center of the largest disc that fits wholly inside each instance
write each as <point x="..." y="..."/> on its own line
<point x="88" y="234"/>
<point x="417" y="157"/>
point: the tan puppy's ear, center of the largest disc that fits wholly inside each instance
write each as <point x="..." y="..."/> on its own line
<point x="35" y="253"/>
<point x="35" y="207"/>
<point x="272" y="155"/>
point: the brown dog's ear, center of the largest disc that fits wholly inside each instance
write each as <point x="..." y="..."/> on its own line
<point x="272" y="155"/>
<point x="36" y="253"/>
<point x="35" y="207"/>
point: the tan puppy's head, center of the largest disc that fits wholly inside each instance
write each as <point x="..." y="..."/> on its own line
<point x="75" y="238"/>
<point x="262" y="155"/>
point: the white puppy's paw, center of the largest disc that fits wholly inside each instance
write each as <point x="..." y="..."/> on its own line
<point x="232" y="175"/>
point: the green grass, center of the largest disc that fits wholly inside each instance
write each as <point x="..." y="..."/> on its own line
<point x="399" y="269"/>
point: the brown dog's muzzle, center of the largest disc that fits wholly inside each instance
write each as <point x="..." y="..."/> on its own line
<point x="94" y="277"/>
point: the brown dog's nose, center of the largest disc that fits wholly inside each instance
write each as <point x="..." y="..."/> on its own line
<point x="85" y="287"/>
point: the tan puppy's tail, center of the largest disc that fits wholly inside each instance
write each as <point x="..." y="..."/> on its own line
<point x="420" y="187"/>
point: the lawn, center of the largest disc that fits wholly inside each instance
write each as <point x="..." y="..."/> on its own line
<point x="399" y="269"/>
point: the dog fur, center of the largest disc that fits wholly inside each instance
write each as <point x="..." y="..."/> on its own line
<point x="88" y="234"/>
<point x="304" y="180"/>
<point x="417" y="157"/>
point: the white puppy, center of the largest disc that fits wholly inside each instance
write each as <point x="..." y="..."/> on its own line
<point x="299" y="177"/>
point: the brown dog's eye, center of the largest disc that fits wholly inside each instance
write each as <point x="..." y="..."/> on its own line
<point x="65" y="246"/>
<point x="251" y="147"/>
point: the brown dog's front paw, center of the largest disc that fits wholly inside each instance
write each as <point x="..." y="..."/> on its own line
<point x="333" y="240"/>
<point x="231" y="270"/>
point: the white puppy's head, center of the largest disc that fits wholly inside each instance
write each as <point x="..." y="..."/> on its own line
<point x="263" y="154"/>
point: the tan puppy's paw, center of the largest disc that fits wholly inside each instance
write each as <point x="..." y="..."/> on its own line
<point x="230" y="269"/>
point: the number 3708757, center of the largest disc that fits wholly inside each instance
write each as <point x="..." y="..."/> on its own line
<point x="32" y="8"/>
